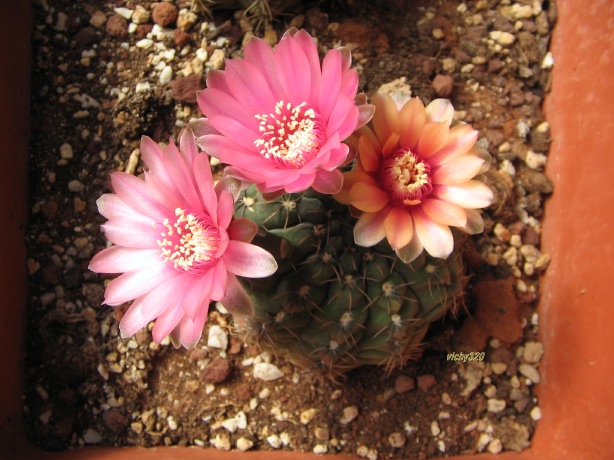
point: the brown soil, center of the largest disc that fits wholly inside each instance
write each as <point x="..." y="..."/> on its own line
<point x="85" y="385"/>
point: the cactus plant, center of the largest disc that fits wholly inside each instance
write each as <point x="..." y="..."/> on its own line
<point x="333" y="305"/>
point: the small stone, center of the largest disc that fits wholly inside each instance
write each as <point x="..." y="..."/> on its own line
<point x="502" y="38"/>
<point x="495" y="405"/>
<point x="117" y="26"/>
<point x="141" y="15"/>
<point x="183" y="89"/>
<point x="181" y="38"/>
<point x="320" y="449"/>
<point x="115" y="421"/>
<point x="216" y="371"/>
<point x="435" y="430"/>
<point x="165" y="14"/>
<point x="267" y="372"/>
<point x="529" y="372"/>
<point x="274" y="441"/>
<point x="533" y="352"/>
<point x="397" y="439"/>
<point x="308" y="415"/>
<point x="230" y="424"/>
<point x="495" y="446"/>
<point x="426" y="382"/>
<point x="124" y="12"/>
<point x="443" y="85"/>
<point x="222" y="442"/>
<point x="166" y="75"/>
<point x="98" y="19"/>
<point x="76" y="186"/>
<point x="186" y="20"/>
<point x="403" y="384"/>
<point x="216" y="61"/>
<point x="92" y="436"/>
<point x="536" y="413"/>
<point x="322" y="433"/>
<point x="66" y="151"/>
<point x="498" y="368"/>
<point x="217" y="338"/>
<point x="244" y="444"/>
<point x="349" y="414"/>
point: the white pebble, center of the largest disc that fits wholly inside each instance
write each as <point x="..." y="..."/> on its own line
<point x="125" y="12"/>
<point x="498" y="368"/>
<point x="230" y="424"/>
<point x="92" y="436"/>
<point x="267" y="372"/>
<point x="502" y="38"/>
<point x="145" y="43"/>
<point x="548" y="61"/>
<point x="529" y="372"/>
<point x="320" y="449"/>
<point x="308" y="415"/>
<point x="536" y="413"/>
<point x="535" y="160"/>
<point x="66" y="151"/>
<point x="75" y="186"/>
<point x="533" y="352"/>
<point x="349" y="414"/>
<point x="166" y="75"/>
<point x="244" y="444"/>
<point x="397" y="439"/>
<point x="495" y="446"/>
<point x="435" y="430"/>
<point x="142" y="86"/>
<point x="495" y="405"/>
<point x="274" y="441"/>
<point x="217" y="338"/>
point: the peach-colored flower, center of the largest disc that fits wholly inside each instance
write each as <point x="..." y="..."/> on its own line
<point x="414" y="178"/>
<point x="278" y="117"/>
<point x="176" y="243"/>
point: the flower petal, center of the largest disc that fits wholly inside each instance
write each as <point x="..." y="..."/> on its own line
<point x="444" y="212"/>
<point x="410" y="252"/>
<point x="367" y="197"/>
<point x="434" y="136"/>
<point x="440" y="110"/>
<point x="134" y="284"/>
<point x="412" y="117"/>
<point x="399" y="227"/>
<point x="461" y="139"/>
<point x="220" y="278"/>
<point x="458" y="170"/>
<point x="369" y="229"/>
<point x="119" y="259"/>
<point x="328" y="182"/>
<point x="472" y="194"/>
<point x="369" y="154"/>
<point x="236" y="300"/>
<point x="189" y="331"/>
<point x="242" y="229"/>
<point x="386" y="117"/>
<point x="249" y="260"/>
<point x="435" y="237"/>
<point x="475" y="223"/>
<point x="133" y="191"/>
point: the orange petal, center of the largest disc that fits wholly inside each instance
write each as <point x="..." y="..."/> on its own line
<point x="367" y="197"/>
<point x="461" y="139"/>
<point x="436" y="238"/>
<point x="433" y="137"/>
<point x="349" y="179"/>
<point x="444" y="212"/>
<point x="385" y="119"/>
<point x="399" y="227"/>
<point x="411" y="121"/>
<point x="391" y="145"/>
<point x="369" y="154"/>
<point x="459" y="170"/>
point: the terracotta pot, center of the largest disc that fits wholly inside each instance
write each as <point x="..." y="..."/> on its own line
<point x="576" y="320"/>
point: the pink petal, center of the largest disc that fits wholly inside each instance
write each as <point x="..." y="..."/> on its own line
<point x="444" y="212"/>
<point x="118" y="259"/>
<point x="275" y="179"/>
<point x="188" y="332"/>
<point x="365" y="114"/>
<point x="166" y="323"/>
<point x="248" y="260"/>
<point x="331" y="82"/>
<point x="399" y="227"/>
<point x="338" y="157"/>
<point x="343" y="117"/>
<point x="328" y="182"/>
<point x="134" y="284"/>
<point x="204" y="182"/>
<point x="216" y="79"/>
<point x="460" y="140"/>
<point x="307" y="44"/>
<point x="261" y="55"/>
<point x="236" y="300"/>
<point x="230" y="185"/>
<point x="220" y="279"/>
<point x="369" y="229"/>
<point x="196" y="293"/>
<point x="302" y="183"/>
<point x="227" y="151"/>
<point x="249" y="86"/>
<point x="131" y="233"/>
<point x="242" y="135"/>
<point x="458" y="170"/>
<point x="435" y="237"/>
<point x="242" y="229"/>
<point x="133" y="191"/>
<point x="472" y="194"/>
<point x="293" y="71"/>
<point x="181" y="176"/>
<point x="225" y="209"/>
<point x="215" y="103"/>
<point x="110" y="205"/>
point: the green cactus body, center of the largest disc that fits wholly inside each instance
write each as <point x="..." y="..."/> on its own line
<point x="333" y="305"/>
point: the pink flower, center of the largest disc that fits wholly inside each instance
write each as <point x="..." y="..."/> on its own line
<point x="278" y="117"/>
<point x="415" y="177"/>
<point x="176" y="244"/>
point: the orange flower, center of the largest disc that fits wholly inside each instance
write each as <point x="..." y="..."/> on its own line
<point x="415" y="177"/>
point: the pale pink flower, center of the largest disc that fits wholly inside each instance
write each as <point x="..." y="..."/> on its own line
<point x="415" y="177"/>
<point x="176" y="243"/>
<point x="278" y="117"/>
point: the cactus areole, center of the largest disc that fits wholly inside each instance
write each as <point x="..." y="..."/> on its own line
<point x="332" y="305"/>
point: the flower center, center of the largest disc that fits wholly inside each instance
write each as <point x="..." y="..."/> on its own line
<point x="291" y="136"/>
<point x="407" y="178"/>
<point x="190" y="243"/>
